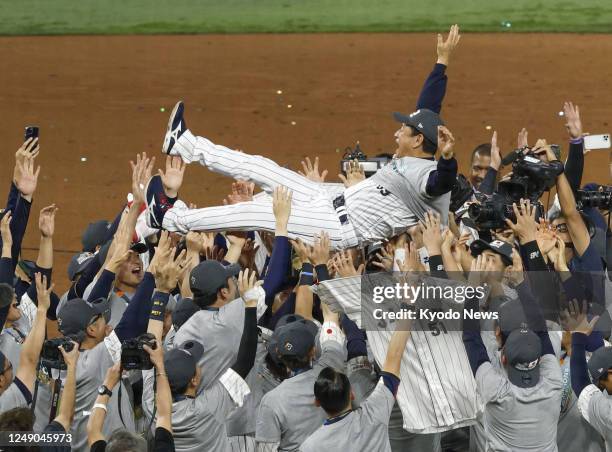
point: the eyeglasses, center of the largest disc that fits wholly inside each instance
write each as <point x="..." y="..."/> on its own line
<point x="561" y="227"/>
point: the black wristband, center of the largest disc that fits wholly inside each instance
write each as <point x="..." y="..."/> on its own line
<point x="322" y="272"/>
<point x="306" y="275"/>
<point x="436" y="264"/>
<point x="532" y="250"/>
<point x="158" y="305"/>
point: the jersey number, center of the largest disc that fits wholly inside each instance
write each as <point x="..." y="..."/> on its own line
<point x="383" y="191"/>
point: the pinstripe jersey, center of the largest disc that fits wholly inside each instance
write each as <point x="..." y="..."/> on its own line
<point x="437" y="390"/>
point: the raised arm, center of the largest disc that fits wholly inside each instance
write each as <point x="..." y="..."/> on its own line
<point x="434" y="89"/>
<point x="100" y="407"/>
<point x="163" y="395"/>
<point x="397" y="345"/>
<point x="245" y="359"/>
<point x="44" y="262"/>
<point x="280" y="260"/>
<point x="472" y="341"/>
<point x="443" y="178"/>
<point x="30" y="350"/>
<point x="66" y="407"/>
<point x="574" y="165"/>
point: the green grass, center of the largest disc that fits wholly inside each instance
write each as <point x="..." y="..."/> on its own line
<point x="39" y="17"/>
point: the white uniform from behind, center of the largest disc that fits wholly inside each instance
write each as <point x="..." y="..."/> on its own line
<point x="437" y="390"/>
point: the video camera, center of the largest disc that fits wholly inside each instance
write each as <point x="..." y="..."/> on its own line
<point x="600" y="199"/>
<point x="51" y="356"/>
<point x="133" y="354"/>
<point x="530" y="178"/>
<point x="369" y="165"/>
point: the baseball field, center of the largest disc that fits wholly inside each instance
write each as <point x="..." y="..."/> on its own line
<point x="100" y="99"/>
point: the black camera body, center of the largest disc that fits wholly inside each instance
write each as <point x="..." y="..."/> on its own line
<point x="600" y="199"/>
<point x="133" y="354"/>
<point x="530" y="178"/>
<point x="369" y="165"/>
<point x="51" y="356"/>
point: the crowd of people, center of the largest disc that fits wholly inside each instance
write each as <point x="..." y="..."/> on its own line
<point x="240" y="327"/>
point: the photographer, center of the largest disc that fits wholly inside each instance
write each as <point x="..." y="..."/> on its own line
<point x="17" y="392"/>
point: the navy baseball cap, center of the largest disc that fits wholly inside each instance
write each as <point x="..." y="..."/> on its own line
<point x="181" y="364"/>
<point x="76" y="315"/>
<point x="600" y="363"/>
<point x="523" y="350"/>
<point x="183" y="311"/>
<point x="500" y="247"/>
<point x="511" y="317"/>
<point x="209" y="276"/>
<point x="294" y="338"/>
<point x="424" y="120"/>
<point x="78" y="263"/>
<point x="94" y="235"/>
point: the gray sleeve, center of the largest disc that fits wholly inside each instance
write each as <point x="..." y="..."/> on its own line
<point x="102" y="356"/>
<point x="148" y="396"/>
<point x="377" y="407"/>
<point x="490" y="383"/>
<point x="12" y="398"/>
<point x="550" y="370"/>
<point x="596" y="408"/>
<point x="268" y="426"/>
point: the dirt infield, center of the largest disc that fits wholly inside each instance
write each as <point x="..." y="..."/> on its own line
<point x="100" y="99"/>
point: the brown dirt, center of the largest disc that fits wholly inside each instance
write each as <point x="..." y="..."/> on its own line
<point x="100" y="98"/>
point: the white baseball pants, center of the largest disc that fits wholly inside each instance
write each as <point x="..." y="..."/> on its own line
<point x="312" y="209"/>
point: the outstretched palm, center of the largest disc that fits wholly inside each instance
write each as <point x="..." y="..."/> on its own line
<point x="172" y="178"/>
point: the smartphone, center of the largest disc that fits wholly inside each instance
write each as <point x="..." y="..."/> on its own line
<point x="31" y="132"/>
<point x="597" y="141"/>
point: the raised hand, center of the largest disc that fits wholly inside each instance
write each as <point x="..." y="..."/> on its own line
<point x="301" y="249"/>
<point x="311" y="171"/>
<point x="141" y="173"/>
<point x="157" y="356"/>
<point x="46" y="221"/>
<point x="573" y="123"/>
<point x="28" y="149"/>
<point x="28" y="177"/>
<point x="71" y="357"/>
<point x="354" y="174"/>
<point x="384" y="259"/>
<point x="432" y="236"/>
<point x="163" y="251"/>
<point x="43" y="293"/>
<point x="495" y="153"/>
<point x="574" y="318"/>
<point x="521" y="141"/>
<point x="343" y="265"/>
<point x="514" y="273"/>
<point x="168" y="270"/>
<point x="557" y="256"/>
<point x="525" y="228"/>
<point x="242" y="191"/>
<point x="445" y="48"/>
<point x="246" y="282"/>
<point x="172" y="178"/>
<point x="546" y="237"/>
<point x="319" y="253"/>
<point x="113" y="375"/>
<point x="281" y="206"/>
<point x="412" y="262"/>
<point x="7" y="236"/>
<point x="446" y="142"/>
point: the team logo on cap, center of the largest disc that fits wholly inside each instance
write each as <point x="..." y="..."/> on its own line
<point x="193" y="280"/>
<point x="497" y="243"/>
<point x="527" y="366"/>
<point x="288" y="346"/>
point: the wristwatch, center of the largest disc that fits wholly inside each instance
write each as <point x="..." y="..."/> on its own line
<point x="103" y="390"/>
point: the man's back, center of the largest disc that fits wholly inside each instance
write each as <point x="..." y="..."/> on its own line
<point x="521" y="418"/>
<point x="363" y="429"/>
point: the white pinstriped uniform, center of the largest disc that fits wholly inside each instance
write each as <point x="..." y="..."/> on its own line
<point x="373" y="213"/>
<point x="437" y="389"/>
